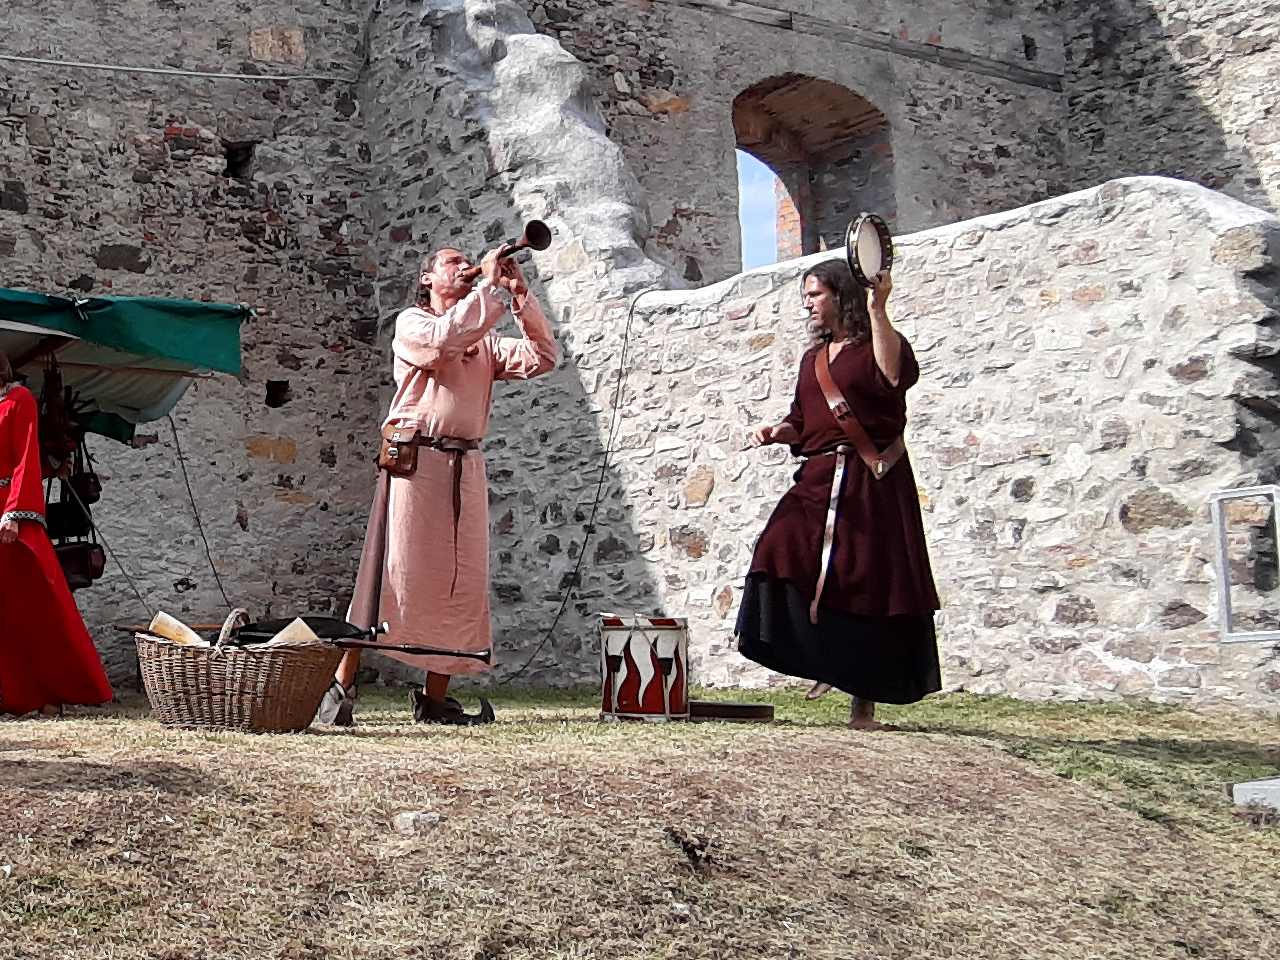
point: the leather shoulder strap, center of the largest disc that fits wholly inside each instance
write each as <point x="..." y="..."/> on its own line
<point x="878" y="462"/>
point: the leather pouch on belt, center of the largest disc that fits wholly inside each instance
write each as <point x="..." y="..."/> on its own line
<point x="398" y="454"/>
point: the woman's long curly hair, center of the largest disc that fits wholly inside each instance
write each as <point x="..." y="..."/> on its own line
<point x="853" y="322"/>
<point x="6" y="371"/>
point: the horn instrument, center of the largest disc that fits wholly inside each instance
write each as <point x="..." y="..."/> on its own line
<point x="537" y="236"/>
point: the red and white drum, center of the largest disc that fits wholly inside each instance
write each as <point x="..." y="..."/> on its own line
<point x="644" y="662"/>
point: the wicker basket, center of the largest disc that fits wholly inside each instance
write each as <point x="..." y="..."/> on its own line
<point x="262" y="690"/>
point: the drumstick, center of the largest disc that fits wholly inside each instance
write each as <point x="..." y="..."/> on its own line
<point x="410" y="648"/>
<point x="194" y="626"/>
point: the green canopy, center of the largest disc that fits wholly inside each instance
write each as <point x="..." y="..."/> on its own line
<point x="127" y="359"/>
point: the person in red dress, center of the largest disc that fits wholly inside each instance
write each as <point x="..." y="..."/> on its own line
<point x="870" y="632"/>
<point x="47" y="658"/>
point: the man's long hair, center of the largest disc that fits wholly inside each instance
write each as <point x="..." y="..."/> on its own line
<point x="422" y="296"/>
<point x="6" y="371"/>
<point x="853" y="322"/>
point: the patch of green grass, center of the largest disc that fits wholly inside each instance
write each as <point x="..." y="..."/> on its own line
<point x="46" y="898"/>
<point x="913" y="849"/>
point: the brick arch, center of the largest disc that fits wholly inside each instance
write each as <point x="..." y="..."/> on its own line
<point x="830" y="149"/>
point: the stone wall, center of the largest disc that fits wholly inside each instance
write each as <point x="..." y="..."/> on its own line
<point x="1177" y="89"/>
<point x="393" y="127"/>
<point x="990" y="106"/>
<point x="1092" y="368"/>
<point x="114" y="184"/>
<point x="972" y="98"/>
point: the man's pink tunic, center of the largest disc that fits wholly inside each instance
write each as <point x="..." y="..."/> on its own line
<point x="430" y="582"/>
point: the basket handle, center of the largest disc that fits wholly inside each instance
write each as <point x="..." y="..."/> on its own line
<point x="237" y="618"/>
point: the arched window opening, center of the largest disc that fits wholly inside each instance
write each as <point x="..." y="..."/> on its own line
<point x="830" y="151"/>
<point x="758" y="212"/>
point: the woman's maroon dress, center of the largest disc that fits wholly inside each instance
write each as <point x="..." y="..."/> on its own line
<point x="875" y="635"/>
<point x="46" y="654"/>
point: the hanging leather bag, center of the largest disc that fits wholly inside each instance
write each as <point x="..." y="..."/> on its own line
<point x="398" y="454"/>
<point x="82" y="563"/>
<point x="84" y="480"/>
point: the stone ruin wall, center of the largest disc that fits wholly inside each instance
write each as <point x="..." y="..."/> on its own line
<point x="1025" y="101"/>
<point x="113" y="185"/>
<point x="666" y="74"/>
<point x="1178" y="89"/>
<point x="412" y="125"/>
<point x="1092" y="368"/>
<point x="117" y="186"/>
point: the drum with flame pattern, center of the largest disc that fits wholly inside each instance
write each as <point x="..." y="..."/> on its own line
<point x="644" y="663"/>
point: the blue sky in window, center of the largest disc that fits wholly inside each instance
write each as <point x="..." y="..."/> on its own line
<point x="757" y="212"/>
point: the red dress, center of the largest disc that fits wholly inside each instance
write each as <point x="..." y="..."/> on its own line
<point x="46" y="654"/>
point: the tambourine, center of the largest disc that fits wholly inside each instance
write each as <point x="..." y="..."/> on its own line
<point x="868" y="247"/>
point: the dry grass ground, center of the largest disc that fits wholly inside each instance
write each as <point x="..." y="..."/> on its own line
<point x="989" y="828"/>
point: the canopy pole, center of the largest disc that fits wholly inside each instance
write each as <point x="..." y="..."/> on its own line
<point x="47" y="345"/>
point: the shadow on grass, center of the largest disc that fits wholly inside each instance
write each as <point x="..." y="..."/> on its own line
<point x="1197" y="752"/>
<point x="62" y="776"/>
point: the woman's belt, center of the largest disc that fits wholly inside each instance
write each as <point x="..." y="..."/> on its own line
<point x="879" y="462"/>
<point x="5" y="481"/>
<point x="879" y="466"/>
<point x="829" y="528"/>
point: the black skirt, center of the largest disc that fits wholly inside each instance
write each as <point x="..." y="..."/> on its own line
<point x="885" y="659"/>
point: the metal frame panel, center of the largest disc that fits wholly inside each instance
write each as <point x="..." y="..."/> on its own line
<point x="1216" y="502"/>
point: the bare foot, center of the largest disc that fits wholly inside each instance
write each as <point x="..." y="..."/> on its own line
<point x="860" y="724"/>
<point x="51" y="710"/>
<point x="818" y="690"/>
<point x="862" y="716"/>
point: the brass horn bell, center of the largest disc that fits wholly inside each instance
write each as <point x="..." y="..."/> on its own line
<point x="537" y="236"/>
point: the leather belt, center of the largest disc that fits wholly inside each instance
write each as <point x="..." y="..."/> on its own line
<point x="453" y="444"/>
<point x="879" y="462"/>
<point x="829" y="528"/>
<point x="457" y="447"/>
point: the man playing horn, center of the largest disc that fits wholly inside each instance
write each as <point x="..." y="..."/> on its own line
<point x="425" y="565"/>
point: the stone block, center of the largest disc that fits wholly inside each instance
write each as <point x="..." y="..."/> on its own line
<point x="1074" y="609"/>
<point x="121" y="256"/>
<point x="1178" y="614"/>
<point x="1253" y="513"/>
<point x="1153" y="507"/>
<point x="1140" y="649"/>
<point x="1095" y="674"/>
<point x="1257" y="793"/>
<point x="690" y="540"/>
<point x="1244" y="248"/>
<point x="416" y="822"/>
<point x="1179" y="677"/>
<point x="698" y="490"/>
<point x="1113" y="433"/>
<point x="1136" y="683"/>
<point x="278" y="45"/>
<point x="1056" y="643"/>
<point x="279" y="449"/>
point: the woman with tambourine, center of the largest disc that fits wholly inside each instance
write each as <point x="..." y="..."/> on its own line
<point x="840" y="589"/>
<point x="47" y="658"/>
